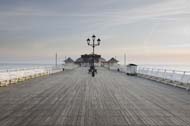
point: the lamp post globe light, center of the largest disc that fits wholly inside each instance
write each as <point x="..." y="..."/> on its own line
<point x="93" y="45"/>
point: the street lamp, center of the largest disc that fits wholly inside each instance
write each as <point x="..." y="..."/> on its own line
<point x="93" y="45"/>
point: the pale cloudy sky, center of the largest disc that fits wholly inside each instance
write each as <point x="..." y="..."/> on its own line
<point x="148" y="31"/>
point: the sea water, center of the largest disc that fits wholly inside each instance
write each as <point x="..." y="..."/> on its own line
<point x="181" y="67"/>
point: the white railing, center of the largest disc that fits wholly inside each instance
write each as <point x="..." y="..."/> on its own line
<point x="10" y="76"/>
<point x="176" y="77"/>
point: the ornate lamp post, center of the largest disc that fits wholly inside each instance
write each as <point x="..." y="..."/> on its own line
<point x="93" y="45"/>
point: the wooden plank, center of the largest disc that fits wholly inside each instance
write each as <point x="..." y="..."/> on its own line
<point x="74" y="98"/>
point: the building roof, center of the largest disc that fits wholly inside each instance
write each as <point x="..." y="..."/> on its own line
<point x="69" y="60"/>
<point x="113" y="60"/>
<point x="131" y="64"/>
<point x="102" y="60"/>
<point x="88" y="58"/>
<point x="79" y="60"/>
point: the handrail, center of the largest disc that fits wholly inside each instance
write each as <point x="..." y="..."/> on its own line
<point x="15" y="75"/>
<point x="161" y="69"/>
<point x="178" y="77"/>
<point x="174" y="77"/>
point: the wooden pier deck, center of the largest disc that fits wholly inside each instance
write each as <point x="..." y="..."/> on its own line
<point x="74" y="98"/>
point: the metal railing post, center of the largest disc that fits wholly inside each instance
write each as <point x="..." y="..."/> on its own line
<point x="183" y="76"/>
<point x="164" y="75"/>
<point x="173" y="76"/>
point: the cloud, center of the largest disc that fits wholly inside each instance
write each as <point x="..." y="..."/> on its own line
<point x="156" y="12"/>
<point x="168" y="10"/>
<point x="59" y="25"/>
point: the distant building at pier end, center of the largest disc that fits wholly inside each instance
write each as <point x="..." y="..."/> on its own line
<point x="87" y="59"/>
<point x="69" y="61"/>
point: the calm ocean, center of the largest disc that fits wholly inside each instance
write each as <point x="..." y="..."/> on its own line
<point x="169" y="67"/>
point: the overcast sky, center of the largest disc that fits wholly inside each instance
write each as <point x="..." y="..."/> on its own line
<point x="148" y="31"/>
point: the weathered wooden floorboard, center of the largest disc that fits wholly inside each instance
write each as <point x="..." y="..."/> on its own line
<point x="74" y="98"/>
